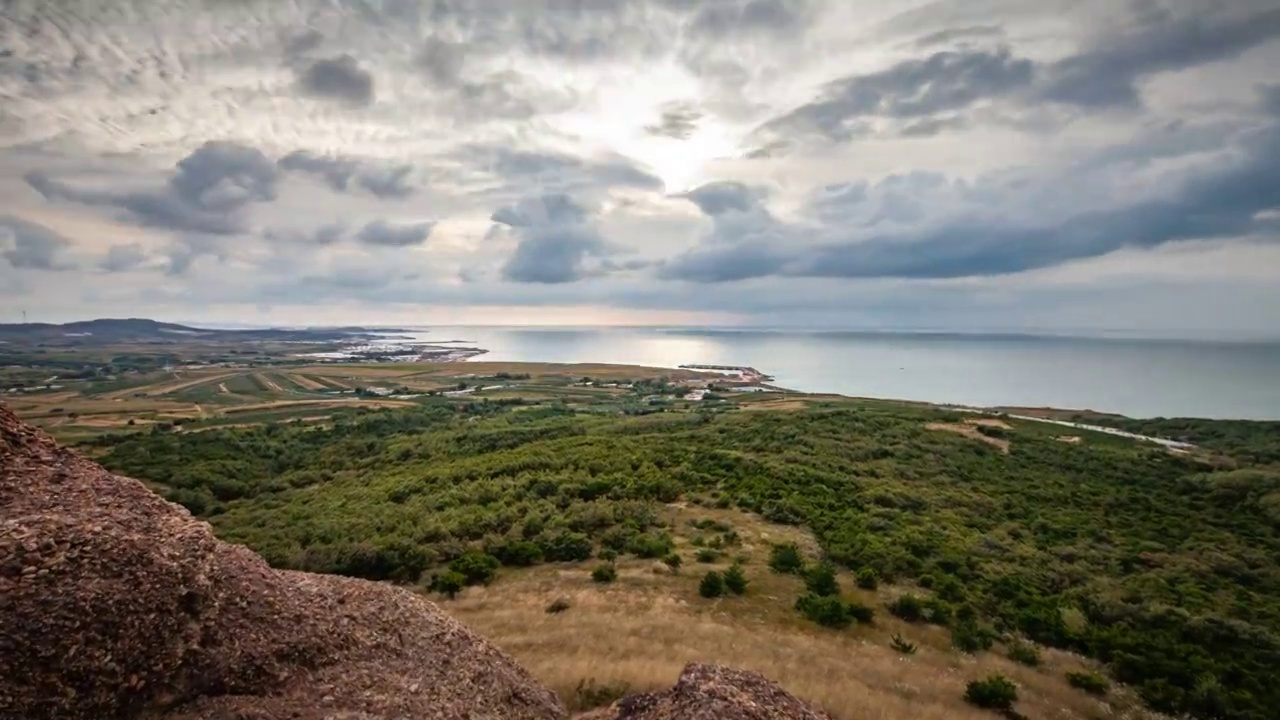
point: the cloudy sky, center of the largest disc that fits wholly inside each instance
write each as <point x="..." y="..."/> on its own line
<point x="956" y="164"/>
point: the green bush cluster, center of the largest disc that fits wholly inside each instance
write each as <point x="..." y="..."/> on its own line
<point x="786" y="558"/>
<point x="1090" y="682"/>
<point x="712" y="585"/>
<point x="995" y="692"/>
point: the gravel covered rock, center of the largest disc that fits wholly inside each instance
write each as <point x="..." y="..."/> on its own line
<point x="115" y="603"/>
<point x="713" y="692"/>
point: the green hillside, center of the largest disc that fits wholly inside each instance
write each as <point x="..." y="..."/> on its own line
<point x="1163" y="566"/>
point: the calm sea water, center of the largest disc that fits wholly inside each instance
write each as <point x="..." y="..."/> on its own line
<point x="1139" y="378"/>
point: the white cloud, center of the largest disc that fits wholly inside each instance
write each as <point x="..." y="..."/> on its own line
<point x="362" y="156"/>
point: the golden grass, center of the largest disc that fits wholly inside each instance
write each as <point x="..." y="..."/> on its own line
<point x="780" y="404"/>
<point x="267" y="383"/>
<point x="644" y="628"/>
<point x="319" y="404"/>
<point x="305" y="382"/>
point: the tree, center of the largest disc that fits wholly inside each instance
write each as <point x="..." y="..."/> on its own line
<point x="826" y="610"/>
<point x="735" y="581"/>
<point x="448" y="584"/>
<point x="786" y="558"/>
<point x="606" y="573"/>
<point x="868" y="579"/>
<point x="475" y="568"/>
<point x="995" y="692"/>
<point x="821" y="580"/>
<point x="712" y="585"/>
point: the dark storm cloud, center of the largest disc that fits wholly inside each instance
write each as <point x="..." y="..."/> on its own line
<point x="385" y="234"/>
<point x="1106" y="75"/>
<point x="340" y="172"/>
<point x="441" y="60"/>
<point x="556" y="241"/>
<point x="122" y="258"/>
<point x="944" y="81"/>
<point x="31" y="246"/>
<point x="944" y="37"/>
<point x="338" y="78"/>
<point x="1213" y="204"/>
<point x="679" y="122"/>
<point x="206" y="194"/>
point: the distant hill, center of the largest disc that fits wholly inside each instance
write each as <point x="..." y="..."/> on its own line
<point x="104" y="331"/>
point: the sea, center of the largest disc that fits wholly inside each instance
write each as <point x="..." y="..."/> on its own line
<point x="1134" y="377"/>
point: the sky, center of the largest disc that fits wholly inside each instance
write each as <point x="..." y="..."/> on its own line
<point x="967" y="165"/>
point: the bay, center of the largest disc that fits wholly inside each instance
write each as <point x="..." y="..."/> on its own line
<point x="1138" y="378"/>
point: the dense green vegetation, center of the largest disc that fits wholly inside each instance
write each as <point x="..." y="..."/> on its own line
<point x="1163" y="567"/>
<point x="1254" y="441"/>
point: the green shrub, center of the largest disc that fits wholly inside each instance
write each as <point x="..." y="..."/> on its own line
<point x="605" y="573"/>
<point x="448" y="584"/>
<point x="902" y="645"/>
<point x="712" y="585"/>
<point x="863" y="614"/>
<point x="476" y="568"/>
<point x="821" y="580"/>
<point x="826" y="610"/>
<point x="995" y="692"/>
<point x="735" y="581"/>
<point x="868" y="578"/>
<point x="567" y="546"/>
<point x="517" y="553"/>
<point x="706" y="555"/>
<point x="608" y="554"/>
<point x="1090" y="682"/>
<point x="650" y="546"/>
<point x="786" y="558"/>
<point x="969" y="637"/>
<point x="1024" y="653"/>
<point x="908" y="607"/>
<point x="936" y="611"/>
<point x="673" y="561"/>
<point x="558" y="606"/>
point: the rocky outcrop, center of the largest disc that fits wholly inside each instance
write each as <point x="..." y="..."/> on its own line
<point x="713" y="692"/>
<point x="115" y="603"/>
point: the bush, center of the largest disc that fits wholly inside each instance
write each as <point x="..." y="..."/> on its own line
<point x="448" y="584"/>
<point x="868" y="579"/>
<point x="862" y="613"/>
<point x="673" y="561"/>
<point x="825" y="610"/>
<point x="566" y="546"/>
<point x="995" y="692"/>
<point x="786" y="559"/>
<point x="735" y="581"/>
<point x="712" y="585"/>
<point x="558" y="606"/>
<point x="517" y="553"/>
<point x="902" y="645"/>
<point x="969" y="637"/>
<point x="706" y="555"/>
<point x="908" y="607"/>
<point x="650" y="546"/>
<point x="608" y="555"/>
<point x="1090" y="682"/>
<point x="605" y="573"/>
<point x="476" y="568"/>
<point x="821" y="580"/>
<point x="1024" y="653"/>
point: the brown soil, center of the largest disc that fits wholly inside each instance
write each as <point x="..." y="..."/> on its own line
<point x="1069" y="439"/>
<point x="989" y="422"/>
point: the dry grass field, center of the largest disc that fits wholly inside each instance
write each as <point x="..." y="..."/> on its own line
<point x="642" y="629"/>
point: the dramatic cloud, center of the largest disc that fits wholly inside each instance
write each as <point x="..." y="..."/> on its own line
<point x="772" y="161"/>
<point x="340" y="173"/>
<point x="556" y="239"/>
<point x="339" y="78"/>
<point x="385" y="234"/>
<point x="28" y="245"/>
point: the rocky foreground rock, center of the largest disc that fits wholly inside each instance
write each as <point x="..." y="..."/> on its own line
<point x="115" y="603"/>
